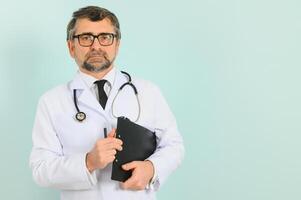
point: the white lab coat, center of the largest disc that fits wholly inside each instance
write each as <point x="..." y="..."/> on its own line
<point x="60" y="142"/>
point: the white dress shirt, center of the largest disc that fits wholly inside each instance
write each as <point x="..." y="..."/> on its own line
<point x="89" y="81"/>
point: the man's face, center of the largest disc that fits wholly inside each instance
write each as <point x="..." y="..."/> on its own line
<point x="95" y="58"/>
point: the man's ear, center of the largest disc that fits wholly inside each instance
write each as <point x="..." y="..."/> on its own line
<point x="70" y="45"/>
<point x="117" y="46"/>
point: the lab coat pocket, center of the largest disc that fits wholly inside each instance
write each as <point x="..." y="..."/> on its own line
<point x="78" y="137"/>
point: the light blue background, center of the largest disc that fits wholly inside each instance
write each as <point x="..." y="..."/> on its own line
<point x="230" y="71"/>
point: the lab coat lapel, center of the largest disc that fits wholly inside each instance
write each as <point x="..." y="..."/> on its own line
<point x="119" y="80"/>
<point x="84" y="95"/>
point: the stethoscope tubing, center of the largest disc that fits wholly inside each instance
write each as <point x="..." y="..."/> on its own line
<point x="81" y="116"/>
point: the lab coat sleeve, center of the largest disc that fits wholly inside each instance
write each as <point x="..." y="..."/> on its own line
<point x="50" y="167"/>
<point x="170" y="149"/>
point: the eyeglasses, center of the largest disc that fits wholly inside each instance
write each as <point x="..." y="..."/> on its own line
<point x="87" y="39"/>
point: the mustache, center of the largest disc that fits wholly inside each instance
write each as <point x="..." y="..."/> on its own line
<point x="95" y="53"/>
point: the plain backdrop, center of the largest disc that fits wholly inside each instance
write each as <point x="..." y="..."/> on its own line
<point x="230" y="71"/>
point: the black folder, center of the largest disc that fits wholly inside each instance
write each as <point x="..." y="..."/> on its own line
<point x="138" y="144"/>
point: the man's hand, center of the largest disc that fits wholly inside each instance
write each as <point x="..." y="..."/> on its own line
<point x="142" y="173"/>
<point x="103" y="152"/>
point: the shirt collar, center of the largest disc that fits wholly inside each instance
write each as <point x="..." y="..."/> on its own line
<point x="89" y="80"/>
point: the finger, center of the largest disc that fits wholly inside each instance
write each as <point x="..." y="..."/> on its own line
<point x="104" y="141"/>
<point x="129" y="184"/>
<point x="110" y="143"/>
<point x="113" y="142"/>
<point x="115" y="146"/>
<point x="112" y="134"/>
<point x="112" y="152"/>
<point x="130" y="166"/>
<point x="111" y="158"/>
<point x="109" y="140"/>
<point x="109" y="147"/>
<point x="117" y="141"/>
<point x="108" y="159"/>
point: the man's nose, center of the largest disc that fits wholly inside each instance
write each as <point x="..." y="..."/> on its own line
<point x="96" y="44"/>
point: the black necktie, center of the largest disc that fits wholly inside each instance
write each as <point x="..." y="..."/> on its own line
<point x="102" y="96"/>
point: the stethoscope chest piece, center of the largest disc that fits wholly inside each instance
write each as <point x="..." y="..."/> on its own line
<point x="80" y="116"/>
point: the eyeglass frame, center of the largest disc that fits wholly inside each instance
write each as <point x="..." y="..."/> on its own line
<point x="94" y="37"/>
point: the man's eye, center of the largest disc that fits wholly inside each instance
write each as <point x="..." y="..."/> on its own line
<point x="86" y="37"/>
<point x="105" y="37"/>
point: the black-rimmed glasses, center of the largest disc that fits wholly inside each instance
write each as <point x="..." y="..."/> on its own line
<point x="87" y="39"/>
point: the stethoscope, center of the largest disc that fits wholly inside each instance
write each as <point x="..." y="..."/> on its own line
<point x="81" y="116"/>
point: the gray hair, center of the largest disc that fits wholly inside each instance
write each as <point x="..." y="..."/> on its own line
<point x="93" y="13"/>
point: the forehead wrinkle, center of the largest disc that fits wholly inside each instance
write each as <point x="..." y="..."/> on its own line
<point x="102" y="28"/>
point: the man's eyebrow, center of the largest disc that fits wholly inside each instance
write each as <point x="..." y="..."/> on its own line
<point x="90" y="33"/>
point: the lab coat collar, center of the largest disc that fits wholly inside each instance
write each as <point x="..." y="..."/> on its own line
<point x="77" y="83"/>
<point x="85" y="96"/>
<point x="89" y="80"/>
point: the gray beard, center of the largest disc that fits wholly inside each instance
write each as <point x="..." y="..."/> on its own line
<point x="97" y="68"/>
<point x="105" y="64"/>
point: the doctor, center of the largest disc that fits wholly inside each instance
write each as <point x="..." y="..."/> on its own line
<point x="71" y="152"/>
